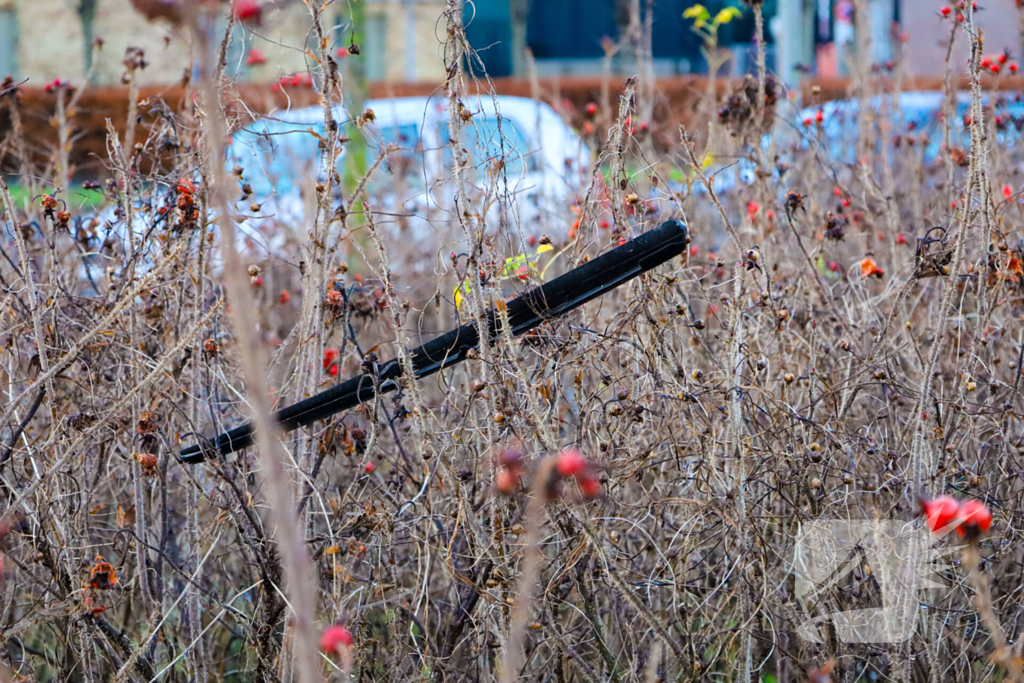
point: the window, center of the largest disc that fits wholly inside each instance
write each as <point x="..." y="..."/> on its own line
<point x="8" y="42"/>
<point x="373" y="49"/>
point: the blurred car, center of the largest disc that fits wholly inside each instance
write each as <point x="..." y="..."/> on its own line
<point x="524" y="162"/>
<point x="913" y="113"/>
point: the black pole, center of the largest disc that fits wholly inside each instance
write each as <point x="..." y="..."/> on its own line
<point x="550" y="300"/>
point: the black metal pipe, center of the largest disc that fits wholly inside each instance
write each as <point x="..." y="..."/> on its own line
<point x="525" y="312"/>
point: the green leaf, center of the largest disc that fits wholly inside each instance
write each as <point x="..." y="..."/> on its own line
<point x="515" y="264"/>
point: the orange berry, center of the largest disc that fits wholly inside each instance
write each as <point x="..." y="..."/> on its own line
<point x="505" y="481"/>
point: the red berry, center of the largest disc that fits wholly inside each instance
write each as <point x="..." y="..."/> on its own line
<point x="836" y="191"/>
<point x="505" y="481"/>
<point x="941" y="513"/>
<point x="1013" y="67"/>
<point x="369" y="468"/>
<point x="248" y="11"/>
<point x="590" y="487"/>
<point x="694" y="250"/>
<point x="1003" y="57"/>
<point x="1007" y="191"/>
<point x="334" y="638"/>
<point x="974" y="515"/>
<point x="959" y="18"/>
<point x="257" y="281"/>
<point x="591" y="108"/>
<point x="570" y="462"/>
<point x="985" y="62"/>
<point x="329" y="356"/>
<point x="255" y="57"/>
<point x="846" y="201"/>
<point x="807" y="121"/>
<point x="333" y="371"/>
<point x="945" y="11"/>
<point x="994" y="68"/>
<point x="342" y="52"/>
<point x="819" y="116"/>
<point x="833" y="266"/>
<point x="901" y="238"/>
<point x="285" y="297"/>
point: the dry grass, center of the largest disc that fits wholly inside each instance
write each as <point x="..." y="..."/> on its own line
<point x="724" y="400"/>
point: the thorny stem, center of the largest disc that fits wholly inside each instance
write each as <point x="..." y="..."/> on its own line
<point x="299" y="581"/>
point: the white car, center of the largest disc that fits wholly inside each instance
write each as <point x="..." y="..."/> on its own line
<point x="544" y="164"/>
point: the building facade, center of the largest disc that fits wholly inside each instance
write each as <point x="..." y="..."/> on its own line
<point x="45" y="39"/>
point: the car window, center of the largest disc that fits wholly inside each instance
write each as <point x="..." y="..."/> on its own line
<point x="487" y="141"/>
<point x="277" y="156"/>
<point x="405" y="163"/>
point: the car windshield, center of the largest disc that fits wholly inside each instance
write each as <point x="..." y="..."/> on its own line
<point x="406" y="163"/>
<point x="488" y="138"/>
<point x="278" y="156"/>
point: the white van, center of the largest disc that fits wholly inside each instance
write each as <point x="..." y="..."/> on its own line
<point x="545" y="164"/>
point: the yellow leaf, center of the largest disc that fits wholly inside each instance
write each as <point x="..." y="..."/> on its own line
<point x="693" y="12"/>
<point x="458" y="298"/>
<point x="544" y="247"/>
<point x="727" y="15"/>
<point x="331" y="550"/>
